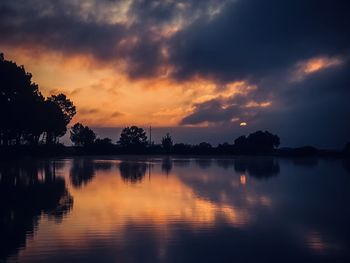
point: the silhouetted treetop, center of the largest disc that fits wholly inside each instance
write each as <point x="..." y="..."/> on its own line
<point x="257" y="142"/>
<point x="133" y="138"/>
<point x="66" y="105"/>
<point x="82" y="135"/>
<point x="167" y="143"/>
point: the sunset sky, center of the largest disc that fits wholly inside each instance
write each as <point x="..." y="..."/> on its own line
<point x="205" y="70"/>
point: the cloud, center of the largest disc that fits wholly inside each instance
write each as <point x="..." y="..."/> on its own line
<point x="251" y="39"/>
<point x="116" y="114"/>
<point x="220" y="110"/>
<point x="132" y="33"/>
<point x="88" y="111"/>
<point x="230" y="40"/>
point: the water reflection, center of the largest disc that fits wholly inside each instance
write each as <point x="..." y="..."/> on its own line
<point x="132" y="171"/>
<point x="225" y="163"/>
<point x="308" y="162"/>
<point x="203" y="163"/>
<point x="260" y="168"/>
<point x="167" y="165"/>
<point x="82" y="172"/>
<point x="28" y="191"/>
<point x="204" y="210"/>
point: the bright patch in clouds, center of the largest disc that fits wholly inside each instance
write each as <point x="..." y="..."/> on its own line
<point x="314" y="65"/>
<point x="317" y="64"/>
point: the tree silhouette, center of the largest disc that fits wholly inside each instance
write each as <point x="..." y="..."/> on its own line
<point x="25" y="115"/>
<point x="106" y="142"/>
<point x="103" y="146"/>
<point x="257" y="142"/>
<point x="133" y="139"/>
<point x="181" y="148"/>
<point x="55" y="124"/>
<point x="66" y="106"/>
<point x="167" y="143"/>
<point x="82" y="135"/>
<point x="19" y="97"/>
<point x="203" y="148"/>
<point x="61" y="111"/>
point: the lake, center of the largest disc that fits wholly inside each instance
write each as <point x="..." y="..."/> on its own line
<point x="138" y="209"/>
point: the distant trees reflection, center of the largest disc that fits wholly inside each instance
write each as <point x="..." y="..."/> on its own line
<point x="203" y="163"/>
<point x="26" y="192"/>
<point x="132" y="171"/>
<point x="81" y="172"/>
<point x="167" y="165"/>
<point x="260" y="168"/>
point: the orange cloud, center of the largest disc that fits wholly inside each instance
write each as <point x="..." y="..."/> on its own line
<point x="313" y="65"/>
<point x="106" y="97"/>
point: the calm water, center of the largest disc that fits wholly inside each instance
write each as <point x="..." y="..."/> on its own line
<point x="175" y="210"/>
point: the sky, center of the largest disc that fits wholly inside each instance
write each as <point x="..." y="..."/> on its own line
<point x="204" y="70"/>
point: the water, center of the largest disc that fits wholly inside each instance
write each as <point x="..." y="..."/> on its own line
<point x="175" y="210"/>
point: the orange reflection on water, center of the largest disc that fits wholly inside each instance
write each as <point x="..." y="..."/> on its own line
<point x="243" y="179"/>
<point x="108" y="204"/>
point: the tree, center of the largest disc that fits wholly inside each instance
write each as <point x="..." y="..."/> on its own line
<point x="66" y="105"/>
<point x="133" y="139"/>
<point x="257" y="142"/>
<point x="167" y="143"/>
<point x="82" y="135"/>
<point x="24" y="113"/>
<point x="19" y="100"/>
<point x="241" y="141"/>
<point x="203" y="148"/>
<point x="104" y="142"/>
<point x="103" y="146"/>
<point x="181" y="148"/>
<point x="55" y="124"/>
<point x="264" y="140"/>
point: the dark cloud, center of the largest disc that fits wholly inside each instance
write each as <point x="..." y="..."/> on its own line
<point x="26" y="23"/>
<point x="220" y="110"/>
<point x="211" y="111"/>
<point x="252" y="38"/>
<point x="100" y="29"/>
<point x="262" y="42"/>
<point x="245" y="39"/>
<point x="314" y="111"/>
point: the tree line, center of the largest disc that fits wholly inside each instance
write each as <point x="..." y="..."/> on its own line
<point x="134" y="139"/>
